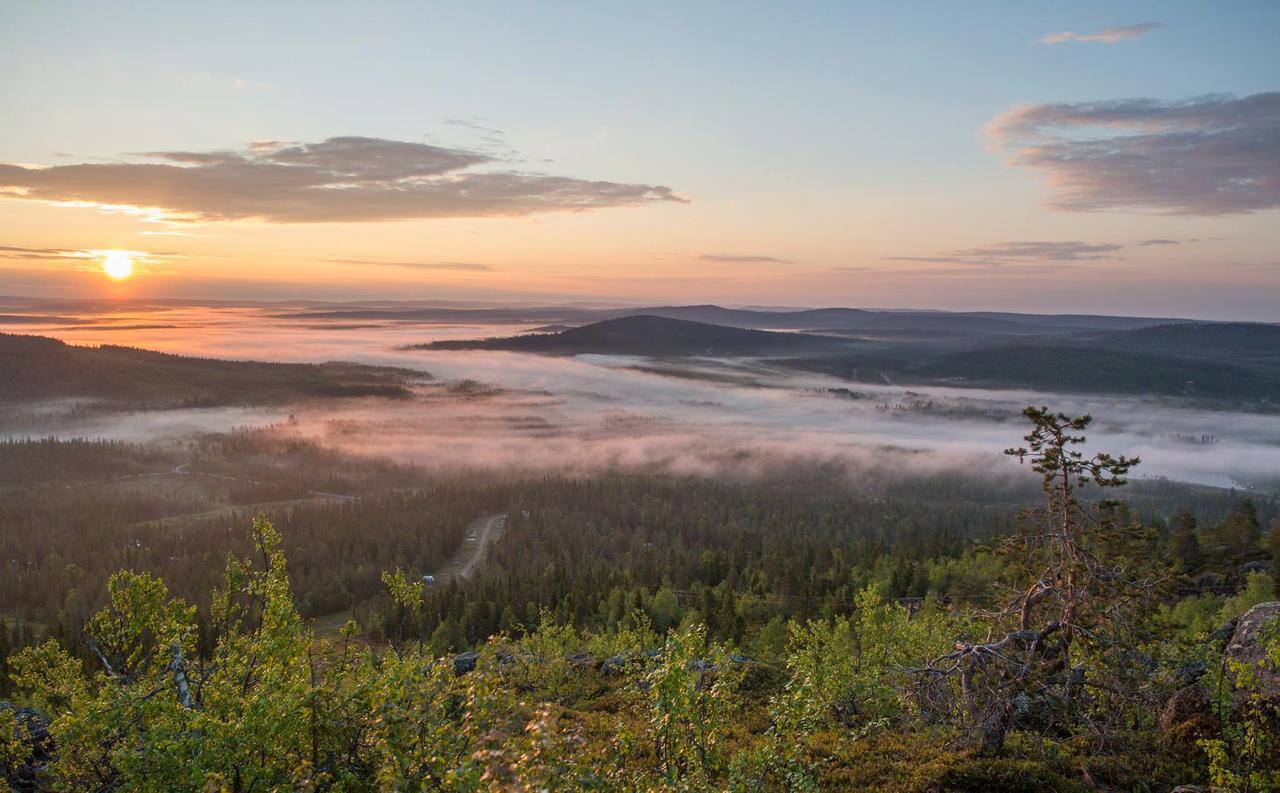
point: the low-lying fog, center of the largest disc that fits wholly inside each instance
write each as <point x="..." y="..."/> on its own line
<point x="528" y="413"/>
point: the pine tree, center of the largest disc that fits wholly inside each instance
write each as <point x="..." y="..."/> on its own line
<point x="1241" y="529"/>
<point x="1183" y="542"/>
<point x="1273" y="545"/>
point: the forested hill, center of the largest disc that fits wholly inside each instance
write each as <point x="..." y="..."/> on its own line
<point x="1063" y="367"/>
<point x="657" y="336"/>
<point x="36" y="367"/>
<point x="1227" y="362"/>
<point x="1220" y="340"/>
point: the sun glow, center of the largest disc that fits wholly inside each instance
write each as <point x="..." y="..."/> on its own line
<point x="117" y="265"/>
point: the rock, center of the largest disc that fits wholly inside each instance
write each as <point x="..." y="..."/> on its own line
<point x="615" y="665"/>
<point x="1246" y="647"/>
<point x="580" y="660"/>
<point x="1208" y="581"/>
<point x="33" y="732"/>
<point x="1192" y="789"/>
<point x="1188" y="714"/>
<point x="1222" y="635"/>
<point x="1191" y="671"/>
<point x="465" y="662"/>
<point x="1257" y="566"/>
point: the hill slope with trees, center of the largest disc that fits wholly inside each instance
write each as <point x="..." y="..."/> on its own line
<point x="36" y="367"/>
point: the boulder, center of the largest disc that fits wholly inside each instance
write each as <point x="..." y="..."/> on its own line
<point x="465" y="662"/>
<point x="1259" y="624"/>
<point x="1223" y="634"/>
<point x="1188" y="714"/>
<point x="1256" y="566"/>
<point x="1191" y="671"/>
<point x="580" y="660"/>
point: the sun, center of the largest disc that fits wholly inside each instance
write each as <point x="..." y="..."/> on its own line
<point x="117" y="265"/>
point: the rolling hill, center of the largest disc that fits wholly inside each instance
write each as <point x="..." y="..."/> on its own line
<point x="36" y="367"/>
<point x="1217" y="340"/>
<point x="1068" y="368"/>
<point x="654" y="336"/>
<point x="833" y="319"/>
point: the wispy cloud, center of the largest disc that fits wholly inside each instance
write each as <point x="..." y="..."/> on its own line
<point x="65" y="254"/>
<point x="342" y="179"/>
<point x="729" y="258"/>
<point x="17" y="252"/>
<point x="1112" y="35"/>
<point x="1212" y="155"/>
<point x="464" y="266"/>
<point x="1012" y="252"/>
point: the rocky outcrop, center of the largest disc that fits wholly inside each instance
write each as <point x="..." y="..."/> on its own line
<point x="1257" y="626"/>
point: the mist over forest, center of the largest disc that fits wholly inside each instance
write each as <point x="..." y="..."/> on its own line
<point x="415" y="397"/>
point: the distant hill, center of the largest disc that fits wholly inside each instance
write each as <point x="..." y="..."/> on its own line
<point x="1100" y="369"/>
<point x="976" y="323"/>
<point x="1217" y="340"/>
<point x="843" y="319"/>
<point x="36" y="367"/>
<point x="1078" y="368"/>
<point x="656" y="336"/>
<point x="835" y="319"/>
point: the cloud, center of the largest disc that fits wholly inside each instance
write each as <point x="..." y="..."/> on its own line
<point x="465" y="266"/>
<point x="1212" y="155"/>
<point x="1113" y="35"/>
<point x="16" y="252"/>
<point x="1001" y="253"/>
<point x="1148" y="243"/>
<point x="727" y="258"/>
<point x="344" y="179"/>
<point x="63" y="254"/>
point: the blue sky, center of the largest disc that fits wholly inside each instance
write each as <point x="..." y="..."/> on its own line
<point x="822" y="135"/>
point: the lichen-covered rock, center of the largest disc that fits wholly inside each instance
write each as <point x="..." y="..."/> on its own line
<point x="1258" y="625"/>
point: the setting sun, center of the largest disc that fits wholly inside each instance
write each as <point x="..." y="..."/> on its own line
<point x="117" y="265"/>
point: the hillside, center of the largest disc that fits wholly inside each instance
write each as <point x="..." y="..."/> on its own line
<point x="36" y="367"/>
<point x="1068" y="368"/>
<point x="654" y="336"/>
<point x="1219" y="340"/>
<point x="844" y="319"/>
<point x="810" y="319"/>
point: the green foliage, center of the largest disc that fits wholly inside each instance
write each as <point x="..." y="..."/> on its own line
<point x="13" y="747"/>
<point x="1245" y="756"/>
<point x="841" y="597"/>
<point x="1257" y="589"/>
<point x="689" y="692"/>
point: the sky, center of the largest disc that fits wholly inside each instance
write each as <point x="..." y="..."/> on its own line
<point x="1108" y="157"/>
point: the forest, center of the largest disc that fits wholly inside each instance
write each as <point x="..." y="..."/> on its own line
<point x="625" y="631"/>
